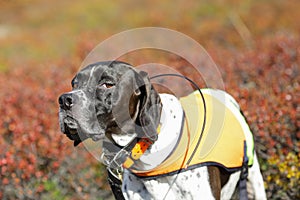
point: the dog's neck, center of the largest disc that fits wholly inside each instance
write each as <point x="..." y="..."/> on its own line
<point x="171" y="123"/>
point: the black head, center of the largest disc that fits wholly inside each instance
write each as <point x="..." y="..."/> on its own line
<point x="109" y="98"/>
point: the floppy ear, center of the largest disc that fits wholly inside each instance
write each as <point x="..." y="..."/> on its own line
<point x="125" y="102"/>
<point x="136" y="105"/>
<point x="150" y="107"/>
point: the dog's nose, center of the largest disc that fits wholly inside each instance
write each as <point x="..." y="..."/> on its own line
<point x="66" y="101"/>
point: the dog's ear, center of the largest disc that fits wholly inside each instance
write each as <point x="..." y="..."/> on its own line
<point x="136" y="105"/>
<point x="150" y="107"/>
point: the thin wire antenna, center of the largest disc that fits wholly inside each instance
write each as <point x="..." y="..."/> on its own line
<point x="204" y="115"/>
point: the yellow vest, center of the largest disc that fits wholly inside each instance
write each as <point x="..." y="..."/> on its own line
<point x="222" y="144"/>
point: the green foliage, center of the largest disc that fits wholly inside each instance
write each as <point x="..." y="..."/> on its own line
<point x="287" y="181"/>
<point x="52" y="188"/>
<point x="3" y="68"/>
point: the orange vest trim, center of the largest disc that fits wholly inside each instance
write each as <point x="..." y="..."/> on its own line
<point x="223" y="142"/>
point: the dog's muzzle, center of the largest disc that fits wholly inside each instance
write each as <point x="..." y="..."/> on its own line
<point x="77" y="117"/>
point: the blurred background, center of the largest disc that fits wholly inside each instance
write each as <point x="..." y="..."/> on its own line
<point x="255" y="44"/>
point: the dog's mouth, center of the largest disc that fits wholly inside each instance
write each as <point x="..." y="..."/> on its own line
<point x="71" y="124"/>
<point x="74" y="132"/>
<point x="71" y="129"/>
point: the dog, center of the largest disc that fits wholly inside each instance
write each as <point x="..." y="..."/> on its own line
<point x="113" y="101"/>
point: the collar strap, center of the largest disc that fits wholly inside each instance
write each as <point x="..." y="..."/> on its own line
<point x="138" y="150"/>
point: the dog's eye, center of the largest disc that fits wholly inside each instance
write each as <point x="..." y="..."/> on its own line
<point x="107" y="85"/>
<point x="75" y="85"/>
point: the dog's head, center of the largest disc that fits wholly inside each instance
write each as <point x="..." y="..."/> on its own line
<point x="110" y="99"/>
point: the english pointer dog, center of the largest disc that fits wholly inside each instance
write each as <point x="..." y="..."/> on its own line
<point x="158" y="142"/>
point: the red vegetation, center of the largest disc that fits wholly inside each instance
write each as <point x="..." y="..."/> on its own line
<point x="38" y="161"/>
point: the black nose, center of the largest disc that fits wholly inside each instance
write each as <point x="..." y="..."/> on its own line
<point x="66" y="101"/>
